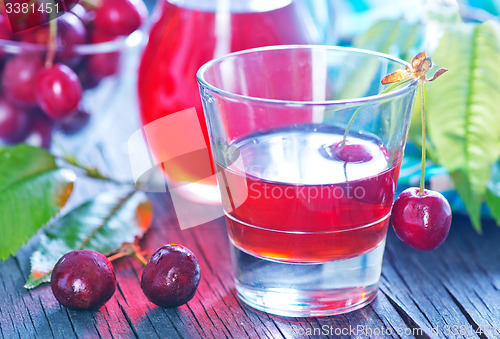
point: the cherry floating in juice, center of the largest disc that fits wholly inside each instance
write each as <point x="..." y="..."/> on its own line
<point x="303" y="205"/>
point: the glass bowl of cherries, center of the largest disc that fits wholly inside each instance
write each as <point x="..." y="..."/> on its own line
<point x="56" y="75"/>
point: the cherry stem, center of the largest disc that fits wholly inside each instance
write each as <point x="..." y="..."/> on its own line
<point x="140" y="257"/>
<point x="118" y="256"/>
<point x="421" y="193"/>
<point x="91" y="172"/>
<point x="135" y="251"/>
<point x="349" y="125"/>
<point x="356" y="113"/>
<point x="51" y="46"/>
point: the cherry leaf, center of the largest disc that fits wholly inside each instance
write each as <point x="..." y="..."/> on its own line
<point x="101" y="224"/>
<point x="33" y="189"/>
<point x="398" y="37"/>
<point x="418" y="61"/>
<point x="462" y="110"/>
<point x="493" y="193"/>
<point x="396" y="76"/>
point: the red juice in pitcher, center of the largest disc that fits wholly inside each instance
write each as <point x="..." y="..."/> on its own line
<point x="189" y="33"/>
<point x="302" y="205"/>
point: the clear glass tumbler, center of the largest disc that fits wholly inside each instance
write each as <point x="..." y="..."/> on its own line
<point x="307" y="155"/>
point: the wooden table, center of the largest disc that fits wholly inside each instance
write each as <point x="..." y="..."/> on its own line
<point x="452" y="292"/>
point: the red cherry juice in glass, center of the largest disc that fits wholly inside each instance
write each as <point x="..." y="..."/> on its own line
<point x="185" y="37"/>
<point x="305" y="205"/>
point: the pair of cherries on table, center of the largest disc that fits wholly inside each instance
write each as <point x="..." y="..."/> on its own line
<point x="86" y="279"/>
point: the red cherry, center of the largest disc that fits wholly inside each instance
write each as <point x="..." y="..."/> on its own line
<point x="40" y="131"/>
<point x="5" y="31"/>
<point x="75" y="122"/>
<point x="13" y="121"/>
<point x="421" y="222"/>
<point x="20" y="20"/>
<point x="25" y="36"/>
<point x="87" y="80"/>
<point x="19" y="79"/>
<point x="350" y="152"/>
<point x="58" y="91"/>
<point x="101" y="65"/>
<point x="104" y="64"/>
<point x="97" y="36"/>
<point x="70" y="32"/>
<point x="171" y="276"/>
<point x="69" y="4"/>
<point x="120" y="17"/>
<point x="83" y="279"/>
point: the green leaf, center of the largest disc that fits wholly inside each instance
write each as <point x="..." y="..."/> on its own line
<point x="493" y="201"/>
<point x="101" y="224"/>
<point x="33" y="189"/>
<point x="462" y="113"/>
<point x="378" y="38"/>
<point x="396" y="37"/>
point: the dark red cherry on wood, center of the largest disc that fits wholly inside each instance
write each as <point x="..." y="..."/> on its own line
<point x="171" y="276"/>
<point x="83" y="280"/>
<point x="421" y="222"/>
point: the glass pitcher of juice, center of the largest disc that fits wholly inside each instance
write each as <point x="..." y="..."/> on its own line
<point x="188" y="33"/>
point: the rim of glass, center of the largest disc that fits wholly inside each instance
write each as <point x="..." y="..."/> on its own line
<point x="16" y="47"/>
<point x="400" y="91"/>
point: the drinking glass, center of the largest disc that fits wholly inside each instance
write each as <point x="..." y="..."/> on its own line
<point x="307" y="155"/>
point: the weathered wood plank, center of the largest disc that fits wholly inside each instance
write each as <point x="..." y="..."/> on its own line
<point x="452" y="286"/>
<point x="444" y="291"/>
<point x="472" y="277"/>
